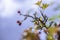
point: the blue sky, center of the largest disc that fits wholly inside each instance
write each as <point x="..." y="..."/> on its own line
<point x="9" y="29"/>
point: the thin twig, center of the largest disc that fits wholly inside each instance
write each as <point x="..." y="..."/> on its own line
<point x="27" y="16"/>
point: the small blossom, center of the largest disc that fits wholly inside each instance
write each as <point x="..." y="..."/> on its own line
<point x="25" y="33"/>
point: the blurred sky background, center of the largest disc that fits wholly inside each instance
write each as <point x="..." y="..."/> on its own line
<point x="9" y="29"/>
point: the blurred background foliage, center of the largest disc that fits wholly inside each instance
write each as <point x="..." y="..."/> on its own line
<point x="33" y="33"/>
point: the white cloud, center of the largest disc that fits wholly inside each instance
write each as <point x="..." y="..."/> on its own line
<point x="9" y="7"/>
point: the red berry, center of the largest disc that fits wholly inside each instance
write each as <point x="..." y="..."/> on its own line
<point x="20" y="24"/>
<point x="18" y="21"/>
<point x="19" y="12"/>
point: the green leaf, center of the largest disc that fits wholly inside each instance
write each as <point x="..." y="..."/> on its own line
<point x="54" y="17"/>
<point x="58" y="16"/>
<point x="44" y="6"/>
<point x="38" y="3"/>
<point x="49" y="37"/>
<point x="52" y="30"/>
